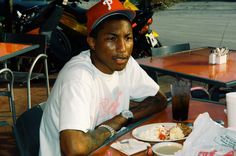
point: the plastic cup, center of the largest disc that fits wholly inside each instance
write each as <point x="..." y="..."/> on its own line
<point x="231" y="108"/>
<point x="180" y="92"/>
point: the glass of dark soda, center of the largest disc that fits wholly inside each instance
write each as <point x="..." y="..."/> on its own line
<point x="180" y="92"/>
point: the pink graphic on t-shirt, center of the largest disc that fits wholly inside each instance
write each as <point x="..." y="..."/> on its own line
<point x="109" y="107"/>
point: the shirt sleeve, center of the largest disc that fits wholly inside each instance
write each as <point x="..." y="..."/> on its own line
<point x="75" y="104"/>
<point x="142" y="85"/>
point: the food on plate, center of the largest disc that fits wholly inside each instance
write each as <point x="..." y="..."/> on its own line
<point x="165" y="132"/>
<point x="162" y="132"/>
<point x="173" y="133"/>
<point x="186" y="129"/>
<point x="176" y="133"/>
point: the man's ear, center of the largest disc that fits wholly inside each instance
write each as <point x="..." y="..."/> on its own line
<point x="91" y="42"/>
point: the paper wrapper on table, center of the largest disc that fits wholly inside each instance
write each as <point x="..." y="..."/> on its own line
<point x="130" y="146"/>
<point x="209" y="138"/>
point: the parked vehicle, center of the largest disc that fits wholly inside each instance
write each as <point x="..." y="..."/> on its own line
<point x="144" y="37"/>
<point x="37" y="17"/>
<point x="73" y="25"/>
<point x="69" y="37"/>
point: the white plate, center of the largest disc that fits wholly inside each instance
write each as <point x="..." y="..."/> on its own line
<point x="147" y="132"/>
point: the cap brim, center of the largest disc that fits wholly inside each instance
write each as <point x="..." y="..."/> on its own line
<point x="127" y="13"/>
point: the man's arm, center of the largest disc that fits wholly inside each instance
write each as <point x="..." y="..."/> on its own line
<point x="75" y="142"/>
<point x="148" y="106"/>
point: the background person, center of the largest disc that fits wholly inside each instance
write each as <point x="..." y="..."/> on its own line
<point x="91" y="97"/>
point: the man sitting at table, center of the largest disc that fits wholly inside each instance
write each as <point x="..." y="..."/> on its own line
<point x="90" y="100"/>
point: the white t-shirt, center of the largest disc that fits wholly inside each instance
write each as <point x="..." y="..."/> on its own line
<point x="83" y="97"/>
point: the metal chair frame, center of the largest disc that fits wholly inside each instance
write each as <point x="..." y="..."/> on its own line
<point x="9" y="92"/>
<point x="38" y="54"/>
<point x="26" y="127"/>
<point x="166" y="50"/>
<point x="200" y="92"/>
<point x="163" y="51"/>
<point x="196" y="92"/>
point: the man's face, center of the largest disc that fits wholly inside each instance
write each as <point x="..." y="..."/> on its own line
<point x="113" y="46"/>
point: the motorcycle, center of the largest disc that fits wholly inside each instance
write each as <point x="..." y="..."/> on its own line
<point x="144" y="37"/>
<point x="27" y="16"/>
<point x="36" y="17"/>
<point x="73" y="25"/>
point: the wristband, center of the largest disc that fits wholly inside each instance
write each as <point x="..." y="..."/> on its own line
<point x="110" y="129"/>
<point x="128" y="115"/>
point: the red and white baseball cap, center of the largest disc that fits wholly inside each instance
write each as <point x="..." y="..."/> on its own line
<point x="104" y="9"/>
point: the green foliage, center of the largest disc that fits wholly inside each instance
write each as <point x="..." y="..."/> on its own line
<point x="166" y="3"/>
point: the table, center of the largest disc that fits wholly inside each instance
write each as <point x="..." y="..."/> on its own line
<point x="193" y="65"/>
<point x="10" y="50"/>
<point x="196" y="108"/>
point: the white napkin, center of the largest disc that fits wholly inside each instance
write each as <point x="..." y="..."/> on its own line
<point x="209" y="138"/>
<point x="130" y="146"/>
